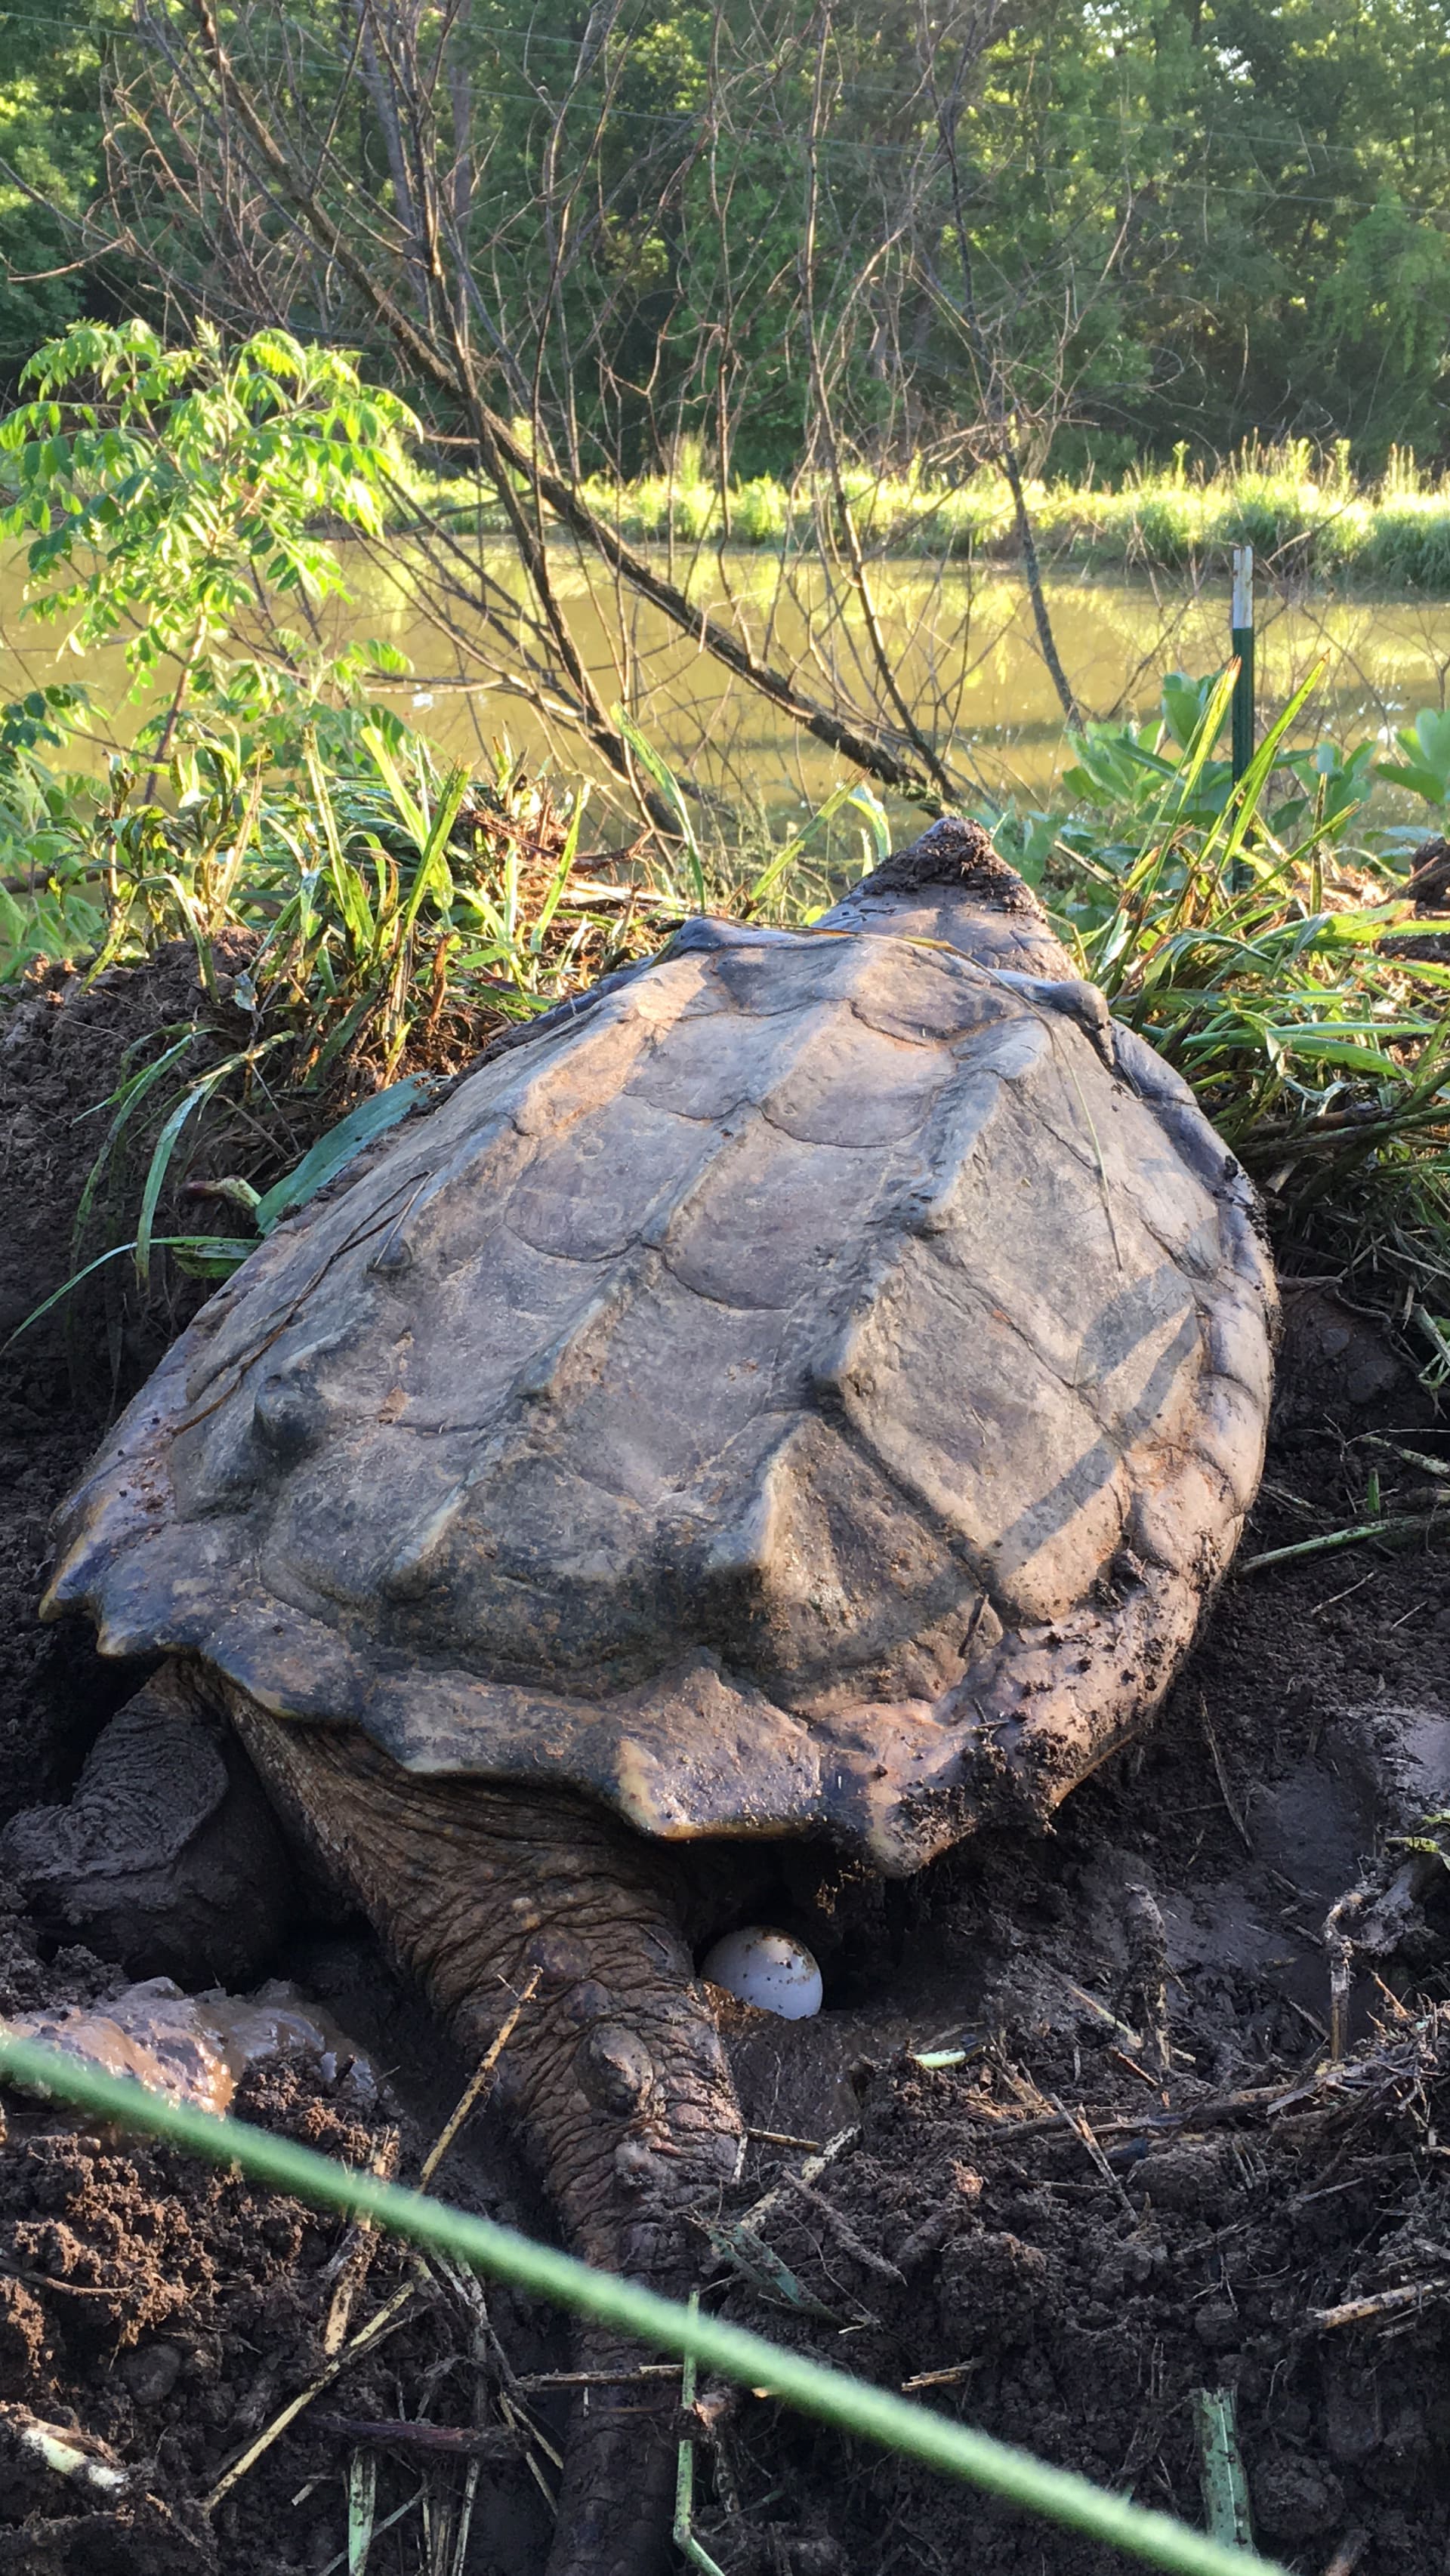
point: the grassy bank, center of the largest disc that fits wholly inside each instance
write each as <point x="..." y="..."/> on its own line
<point x="364" y="914"/>
<point x="359" y="916"/>
<point x="1304" y="512"/>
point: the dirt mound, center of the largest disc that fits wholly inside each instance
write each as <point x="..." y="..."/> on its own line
<point x="1073" y="2264"/>
<point x="1126" y="2171"/>
<point x="65" y="1048"/>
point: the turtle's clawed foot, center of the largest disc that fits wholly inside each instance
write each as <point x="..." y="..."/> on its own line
<point x="615" y="2070"/>
<point x="167" y="1856"/>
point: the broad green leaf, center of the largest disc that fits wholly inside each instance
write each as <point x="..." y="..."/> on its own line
<point x="337" y="1148"/>
<point x="1328" y="1048"/>
<point x="1432" y="733"/>
<point x="210" y="1256"/>
<point x="1420" y="782"/>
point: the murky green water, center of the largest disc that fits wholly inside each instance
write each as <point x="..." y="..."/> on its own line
<point x="962" y="645"/>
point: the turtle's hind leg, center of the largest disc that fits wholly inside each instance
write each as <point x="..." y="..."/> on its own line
<point x="615" y="2071"/>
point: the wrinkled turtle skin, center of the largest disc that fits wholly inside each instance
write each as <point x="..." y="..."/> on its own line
<point x="810" y="1389"/>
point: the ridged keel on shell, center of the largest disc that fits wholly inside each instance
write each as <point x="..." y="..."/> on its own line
<point x="814" y="1390"/>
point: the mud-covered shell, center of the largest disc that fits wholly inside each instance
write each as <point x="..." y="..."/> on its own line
<point x="811" y="1389"/>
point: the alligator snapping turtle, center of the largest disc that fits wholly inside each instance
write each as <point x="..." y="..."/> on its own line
<point x="808" y="1388"/>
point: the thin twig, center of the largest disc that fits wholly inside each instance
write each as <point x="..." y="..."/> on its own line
<point x="1077" y="2120"/>
<point x="1385" y="2303"/>
<point x="811" y="2171"/>
<point x="1152" y="2081"/>
<point x="407" y="2433"/>
<point x="1437" y="1467"/>
<point x="845" y="2234"/>
<point x="1220" y="1773"/>
<point x="474" y="2087"/>
<point x="383" y="2323"/>
<point x="351" y="2264"/>
<point x="1334" y="1598"/>
<point x="536" y="2379"/>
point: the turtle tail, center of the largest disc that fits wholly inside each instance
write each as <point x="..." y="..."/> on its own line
<point x="615" y="2071"/>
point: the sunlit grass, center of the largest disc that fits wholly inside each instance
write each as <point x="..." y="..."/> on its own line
<point x="360" y="915"/>
<point x="1305" y="513"/>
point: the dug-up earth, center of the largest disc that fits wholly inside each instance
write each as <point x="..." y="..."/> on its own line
<point x="1086" y="2150"/>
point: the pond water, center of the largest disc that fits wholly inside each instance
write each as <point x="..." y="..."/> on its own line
<point x="962" y="643"/>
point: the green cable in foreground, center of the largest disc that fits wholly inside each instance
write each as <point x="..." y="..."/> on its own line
<point x="833" y="2397"/>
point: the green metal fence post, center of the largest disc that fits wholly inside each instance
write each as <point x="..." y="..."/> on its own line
<point x="1241" y="639"/>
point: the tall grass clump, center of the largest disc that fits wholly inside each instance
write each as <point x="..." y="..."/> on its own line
<point x="363" y="921"/>
<point x="361" y="913"/>
<point x="1262" y="938"/>
<point x="1304" y="512"/>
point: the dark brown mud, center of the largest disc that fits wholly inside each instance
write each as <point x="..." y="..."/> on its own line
<point x="1131" y="2175"/>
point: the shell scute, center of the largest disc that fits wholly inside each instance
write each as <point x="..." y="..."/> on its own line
<point x="710" y="1402"/>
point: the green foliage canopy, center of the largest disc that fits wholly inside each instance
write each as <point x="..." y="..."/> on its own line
<point x="174" y="495"/>
<point x="1188" y="221"/>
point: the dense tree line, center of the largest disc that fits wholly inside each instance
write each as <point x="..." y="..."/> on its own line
<point x="1182" y="219"/>
<point x="805" y="239"/>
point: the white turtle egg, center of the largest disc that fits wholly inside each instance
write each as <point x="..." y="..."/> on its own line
<point x="770" y="1969"/>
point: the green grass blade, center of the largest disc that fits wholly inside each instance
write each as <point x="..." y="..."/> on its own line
<point x="849" y="793"/>
<point x="362" y="2496"/>
<point x="409" y="812"/>
<point x="1260" y="769"/>
<point x="128" y="1097"/>
<point x="164" y="1148"/>
<point x="199" y="1244"/>
<point x="166" y="1143"/>
<point x="1207" y="734"/>
<point x="554" y="891"/>
<point x="433" y="870"/>
<point x="663" y="778"/>
<point x="334" y="1151"/>
<point x="851" y="2406"/>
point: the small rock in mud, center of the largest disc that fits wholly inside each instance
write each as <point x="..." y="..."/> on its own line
<point x="1294" y="2501"/>
<point x="1330" y="1356"/>
<point x="1194" y="2176"/>
<point x="152" y="2373"/>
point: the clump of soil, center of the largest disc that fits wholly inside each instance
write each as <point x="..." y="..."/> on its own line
<point x="168" y="2313"/>
<point x="1132" y="2172"/>
<point x="1070" y="2282"/>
